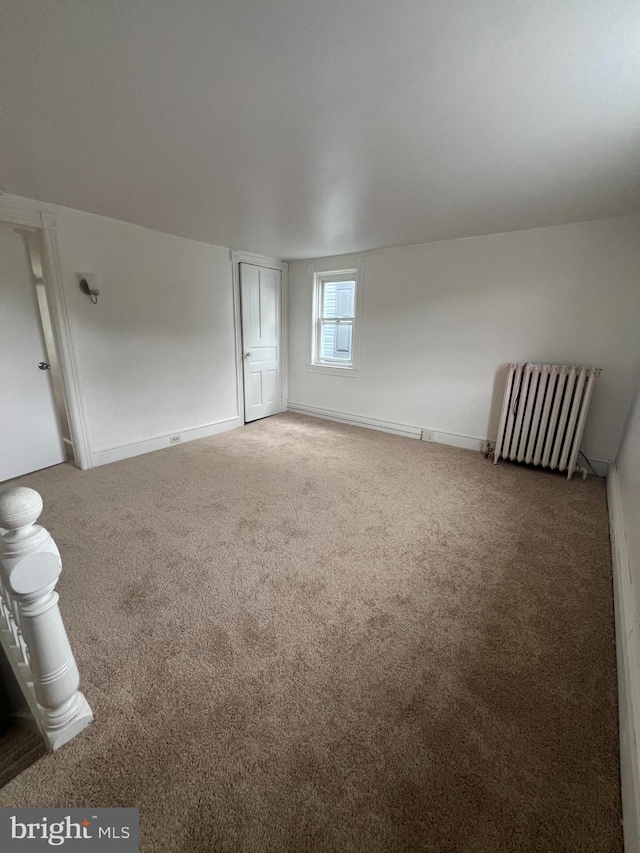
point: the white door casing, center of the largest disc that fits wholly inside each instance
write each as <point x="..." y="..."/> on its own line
<point x="260" y="299"/>
<point x="30" y="435"/>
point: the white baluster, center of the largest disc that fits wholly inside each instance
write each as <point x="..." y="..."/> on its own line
<point x="31" y="565"/>
<point x="5" y="623"/>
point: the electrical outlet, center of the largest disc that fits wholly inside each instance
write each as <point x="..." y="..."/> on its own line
<point x="175" y="439"/>
<point x="427" y="435"/>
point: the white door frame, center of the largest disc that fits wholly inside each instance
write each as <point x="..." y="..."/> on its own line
<point x="23" y="214"/>
<point x="238" y="258"/>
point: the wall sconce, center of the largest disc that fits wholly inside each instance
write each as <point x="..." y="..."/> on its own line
<point x="86" y="285"/>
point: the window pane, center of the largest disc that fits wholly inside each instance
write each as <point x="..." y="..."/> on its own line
<point x="328" y="340"/>
<point x="336" y="341"/>
<point x="338" y="299"/>
<point x="343" y="341"/>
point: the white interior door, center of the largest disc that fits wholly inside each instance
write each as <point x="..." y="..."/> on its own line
<point x="260" y="297"/>
<point x="30" y="436"/>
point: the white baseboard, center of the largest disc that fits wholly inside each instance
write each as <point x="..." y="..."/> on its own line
<point x="409" y="431"/>
<point x="157" y="442"/>
<point x="628" y="658"/>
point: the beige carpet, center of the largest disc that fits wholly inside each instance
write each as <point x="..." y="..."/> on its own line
<point x="301" y="636"/>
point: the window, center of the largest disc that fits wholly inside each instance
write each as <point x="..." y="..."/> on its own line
<point x="334" y="344"/>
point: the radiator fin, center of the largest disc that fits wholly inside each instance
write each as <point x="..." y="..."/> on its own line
<point x="544" y="412"/>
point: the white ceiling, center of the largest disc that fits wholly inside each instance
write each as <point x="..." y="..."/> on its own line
<point x="300" y="128"/>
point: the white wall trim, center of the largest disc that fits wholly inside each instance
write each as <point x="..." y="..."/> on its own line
<point x="62" y="330"/>
<point x="628" y="658"/>
<point x="407" y="430"/>
<point x="238" y="257"/>
<point x="104" y="455"/>
<point x="237" y="334"/>
<point x="331" y="370"/>
<point x="284" y="334"/>
<point x="258" y="260"/>
<point x="18" y="211"/>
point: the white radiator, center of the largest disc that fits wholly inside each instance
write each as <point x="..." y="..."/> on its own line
<point x="543" y="414"/>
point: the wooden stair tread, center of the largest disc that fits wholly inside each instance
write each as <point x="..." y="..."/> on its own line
<point x="20" y="747"/>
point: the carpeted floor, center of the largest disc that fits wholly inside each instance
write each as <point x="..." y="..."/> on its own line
<point x="302" y="636"/>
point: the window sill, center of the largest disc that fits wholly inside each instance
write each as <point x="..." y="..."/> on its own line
<point x="330" y="370"/>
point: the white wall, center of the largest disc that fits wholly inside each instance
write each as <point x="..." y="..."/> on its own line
<point x="156" y="356"/>
<point x="442" y="320"/>
<point x="624" y="508"/>
<point x="628" y="470"/>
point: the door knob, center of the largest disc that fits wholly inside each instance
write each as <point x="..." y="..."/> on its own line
<point x="247" y="355"/>
<point x="43" y="365"/>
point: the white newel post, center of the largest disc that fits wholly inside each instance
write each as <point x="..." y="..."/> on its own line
<point x="30" y="565"/>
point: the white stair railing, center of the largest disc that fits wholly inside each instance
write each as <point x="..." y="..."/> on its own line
<point x="31" y="629"/>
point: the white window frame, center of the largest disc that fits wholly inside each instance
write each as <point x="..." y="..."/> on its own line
<point x="335" y="368"/>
